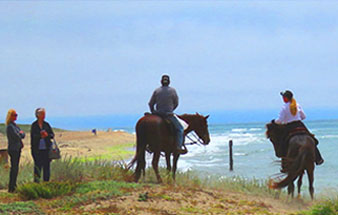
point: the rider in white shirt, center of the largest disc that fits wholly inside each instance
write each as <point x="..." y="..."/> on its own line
<point x="291" y="115"/>
<point x="285" y="115"/>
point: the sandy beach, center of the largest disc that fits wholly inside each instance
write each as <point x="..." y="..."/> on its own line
<point x="84" y="144"/>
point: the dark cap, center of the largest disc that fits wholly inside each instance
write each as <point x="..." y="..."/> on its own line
<point x="287" y="93"/>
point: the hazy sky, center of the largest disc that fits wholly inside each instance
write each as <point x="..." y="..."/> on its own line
<point x="106" y="58"/>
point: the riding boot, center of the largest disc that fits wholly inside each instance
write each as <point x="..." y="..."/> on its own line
<point x="319" y="159"/>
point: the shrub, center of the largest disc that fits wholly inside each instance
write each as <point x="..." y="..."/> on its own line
<point x="328" y="207"/>
<point x="20" y="208"/>
<point x="46" y="190"/>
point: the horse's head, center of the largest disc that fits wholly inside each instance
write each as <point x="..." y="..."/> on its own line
<point x="275" y="133"/>
<point x="199" y="124"/>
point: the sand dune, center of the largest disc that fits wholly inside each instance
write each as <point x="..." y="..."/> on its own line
<point x="84" y="144"/>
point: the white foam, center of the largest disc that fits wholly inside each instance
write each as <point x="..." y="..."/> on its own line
<point x="255" y="129"/>
<point x="239" y="129"/>
<point x="240" y="154"/>
<point x="119" y="130"/>
<point x="328" y="136"/>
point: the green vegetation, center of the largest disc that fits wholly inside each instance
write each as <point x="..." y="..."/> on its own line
<point x="93" y="191"/>
<point x="20" y="208"/>
<point x="327" y="207"/>
<point x="46" y="190"/>
<point x="74" y="170"/>
<point x="239" y="184"/>
<point x="77" y="186"/>
<point x="25" y="127"/>
<point x="116" y="152"/>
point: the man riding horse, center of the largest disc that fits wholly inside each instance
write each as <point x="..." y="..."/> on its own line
<point x="291" y="115"/>
<point x="166" y="100"/>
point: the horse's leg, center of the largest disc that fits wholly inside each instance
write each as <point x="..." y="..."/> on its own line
<point x="141" y="163"/>
<point x="311" y="179"/>
<point x="156" y="158"/>
<point x="175" y="159"/>
<point x="167" y="158"/>
<point x="291" y="189"/>
<point x="299" y="183"/>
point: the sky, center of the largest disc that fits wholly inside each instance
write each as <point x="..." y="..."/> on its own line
<point x="229" y="59"/>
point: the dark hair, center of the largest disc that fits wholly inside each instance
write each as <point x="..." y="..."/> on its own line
<point x="288" y="94"/>
<point x="165" y="80"/>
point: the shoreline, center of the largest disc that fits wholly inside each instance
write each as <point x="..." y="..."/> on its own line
<point x="108" y="145"/>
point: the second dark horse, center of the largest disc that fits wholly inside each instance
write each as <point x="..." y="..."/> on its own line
<point x="153" y="133"/>
<point x="300" y="157"/>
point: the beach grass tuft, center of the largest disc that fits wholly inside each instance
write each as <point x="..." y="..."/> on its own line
<point x="45" y="190"/>
<point x="325" y="207"/>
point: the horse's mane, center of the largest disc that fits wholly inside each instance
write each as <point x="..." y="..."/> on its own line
<point x="190" y="116"/>
<point x="275" y="130"/>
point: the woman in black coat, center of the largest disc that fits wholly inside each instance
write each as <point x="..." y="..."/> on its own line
<point x="15" y="144"/>
<point x="41" y="135"/>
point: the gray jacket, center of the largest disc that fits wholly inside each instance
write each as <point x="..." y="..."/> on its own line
<point x="165" y="99"/>
<point x="14" y="137"/>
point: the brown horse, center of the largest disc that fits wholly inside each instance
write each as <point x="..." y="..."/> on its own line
<point x="154" y="134"/>
<point x="300" y="157"/>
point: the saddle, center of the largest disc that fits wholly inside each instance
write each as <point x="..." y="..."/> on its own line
<point x="167" y="122"/>
<point x="292" y="129"/>
<point x="166" y="119"/>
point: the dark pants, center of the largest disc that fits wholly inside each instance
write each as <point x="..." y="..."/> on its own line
<point x="13" y="174"/>
<point x="41" y="163"/>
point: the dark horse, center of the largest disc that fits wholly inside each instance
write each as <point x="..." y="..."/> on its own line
<point x="154" y="134"/>
<point x="300" y="157"/>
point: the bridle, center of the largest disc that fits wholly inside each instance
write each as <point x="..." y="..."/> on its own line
<point x="194" y="139"/>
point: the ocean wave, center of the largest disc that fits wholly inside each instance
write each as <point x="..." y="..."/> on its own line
<point x="239" y="129"/>
<point x="328" y="136"/>
<point x="240" y="154"/>
<point x="244" y="139"/>
<point x="255" y="129"/>
<point x="119" y="130"/>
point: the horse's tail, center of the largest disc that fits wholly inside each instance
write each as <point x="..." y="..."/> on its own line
<point x="295" y="168"/>
<point x="139" y="157"/>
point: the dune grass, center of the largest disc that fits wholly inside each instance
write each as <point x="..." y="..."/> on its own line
<point x="325" y="207"/>
<point x="20" y="208"/>
<point x="116" y="152"/>
<point x="75" y="183"/>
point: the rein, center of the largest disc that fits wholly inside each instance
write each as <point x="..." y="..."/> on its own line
<point x="193" y="142"/>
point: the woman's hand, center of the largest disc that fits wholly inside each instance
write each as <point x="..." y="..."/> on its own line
<point x="43" y="134"/>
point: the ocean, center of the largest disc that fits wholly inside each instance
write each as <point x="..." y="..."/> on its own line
<point x="254" y="156"/>
<point x="253" y="153"/>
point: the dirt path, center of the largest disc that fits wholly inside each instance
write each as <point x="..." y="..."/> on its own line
<point x="170" y="200"/>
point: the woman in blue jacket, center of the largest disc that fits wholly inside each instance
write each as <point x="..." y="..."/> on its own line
<point x="15" y="144"/>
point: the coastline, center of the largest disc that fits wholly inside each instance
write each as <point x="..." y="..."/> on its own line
<point x="105" y="145"/>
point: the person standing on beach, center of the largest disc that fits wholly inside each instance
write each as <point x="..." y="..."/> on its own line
<point x="292" y="115"/>
<point x="41" y="135"/>
<point x="166" y="100"/>
<point x="15" y="144"/>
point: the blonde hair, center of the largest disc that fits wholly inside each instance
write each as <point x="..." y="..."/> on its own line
<point x="9" y="115"/>
<point x="293" y="107"/>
